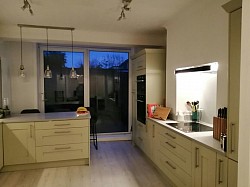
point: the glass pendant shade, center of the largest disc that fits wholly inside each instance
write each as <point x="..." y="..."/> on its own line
<point x="21" y="71"/>
<point x="47" y="73"/>
<point x="73" y="74"/>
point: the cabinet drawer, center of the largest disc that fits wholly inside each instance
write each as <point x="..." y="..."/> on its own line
<point x="140" y="136"/>
<point x="176" y="153"/>
<point x="61" y="136"/>
<point x="140" y="143"/>
<point x="61" y="124"/>
<point x="182" y="141"/>
<point x="62" y="152"/>
<point x="179" y="177"/>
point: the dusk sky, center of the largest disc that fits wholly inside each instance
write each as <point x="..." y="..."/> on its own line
<point x="98" y="55"/>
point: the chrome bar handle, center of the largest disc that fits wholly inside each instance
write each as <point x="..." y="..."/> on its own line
<point x="153" y="130"/>
<point x="31" y="131"/>
<point x="170" y="165"/>
<point x="170" y="145"/>
<point x="196" y="157"/>
<point x="141" y="101"/>
<point x="232" y="137"/>
<point x="220" y="178"/>
<point x="65" y="124"/>
<point x="61" y="148"/>
<point x="140" y="81"/>
<point x="170" y="135"/>
<point x="58" y="132"/>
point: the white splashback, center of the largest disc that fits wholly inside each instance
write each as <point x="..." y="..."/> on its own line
<point x="197" y="86"/>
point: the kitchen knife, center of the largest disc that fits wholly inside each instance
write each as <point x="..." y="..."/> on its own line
<point x="219" y="112"/>
<point x="222" y="113"/>
<point x="225" y="112"/>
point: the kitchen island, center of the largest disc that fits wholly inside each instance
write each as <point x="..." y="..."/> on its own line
<point x="45" y="140"/>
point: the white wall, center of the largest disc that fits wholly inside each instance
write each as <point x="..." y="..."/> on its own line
<point x="198" y="35"/>
<point x="82" y="37"/>
<point x="23" y="91"/>
<point x="244" y="129"/>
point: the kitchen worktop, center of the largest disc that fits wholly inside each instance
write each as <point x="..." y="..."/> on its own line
<point x="43" y="117"/>
<point x="206" y="137"/>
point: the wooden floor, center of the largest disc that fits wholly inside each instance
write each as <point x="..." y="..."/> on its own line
<point x="115" y="164"/>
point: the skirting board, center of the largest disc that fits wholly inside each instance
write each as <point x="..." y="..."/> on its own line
<point x="114" y="137"/>
<point x="46" y="165"/>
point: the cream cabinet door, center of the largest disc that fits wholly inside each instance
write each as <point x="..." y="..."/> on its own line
<point x="221" y="171"/>
<point x="204" y="166"/>
<point x="234" y="84"/>
<point x="232" y="173"/>
<point x="1" y="146"/>
<point x="140" y="133"/>
<point x="19" y="143"/>
<point x="149" y="137"/>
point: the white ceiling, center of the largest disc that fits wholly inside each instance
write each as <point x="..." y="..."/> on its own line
<point x="146" y="16"/>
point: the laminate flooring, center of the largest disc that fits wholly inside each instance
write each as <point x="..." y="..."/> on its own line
<point x="114" y="164"/>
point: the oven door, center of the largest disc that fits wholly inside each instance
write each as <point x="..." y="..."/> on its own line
<point x="141" y="108"/>
<point x="141" y="85"/>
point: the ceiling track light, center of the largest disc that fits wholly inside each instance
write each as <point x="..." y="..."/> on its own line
<point x="26" y="5"/>
<point x="124" y="8"/>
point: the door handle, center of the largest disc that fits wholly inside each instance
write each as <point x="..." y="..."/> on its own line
<point x="43" y="98"/>
<point x="141" y="101"/>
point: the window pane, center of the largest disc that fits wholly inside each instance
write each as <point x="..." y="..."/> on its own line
<point x="109" y="89"/>
<point x="63" y="93"/>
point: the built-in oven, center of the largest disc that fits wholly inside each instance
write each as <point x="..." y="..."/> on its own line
<point x="141" y="98"/>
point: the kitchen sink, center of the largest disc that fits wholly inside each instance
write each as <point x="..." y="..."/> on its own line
<point x="190" y="126"/>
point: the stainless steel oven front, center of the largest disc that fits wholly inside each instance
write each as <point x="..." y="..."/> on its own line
<point x="141" y="98"/>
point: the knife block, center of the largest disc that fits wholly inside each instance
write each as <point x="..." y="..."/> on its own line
<point x="219" y="126"/>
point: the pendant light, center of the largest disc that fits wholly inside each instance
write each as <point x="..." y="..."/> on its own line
<point x="21" y="69"/>
<point x="47" y="72"/>
<point x="73" y="74"/>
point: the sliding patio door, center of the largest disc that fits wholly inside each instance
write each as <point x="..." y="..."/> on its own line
<point x="108" y="78"/>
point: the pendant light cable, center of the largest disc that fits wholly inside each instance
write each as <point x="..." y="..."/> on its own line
<point x="21" y="69"/>
<point x="47" y="41"/>
<point x="73" y="73"/>
<point x="48" y="72"/>
<point x="72" y="48"/>
<point x="21" y="46"/>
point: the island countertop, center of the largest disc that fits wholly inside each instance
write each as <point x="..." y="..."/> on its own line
<point x="43" y="117"/>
